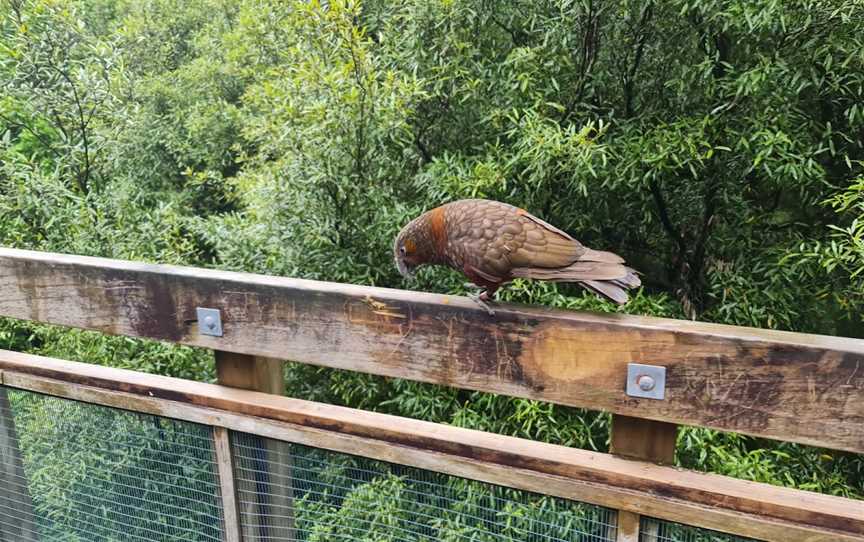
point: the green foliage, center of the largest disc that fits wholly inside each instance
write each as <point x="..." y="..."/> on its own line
<point x="838" y="262"/>
<point x="781" y="464"/>
<point x="122" y="352"/>
<point x="57" y="78"/>
<point x="104" y="474"/>
<point x="716" y="145"/>
<point x="352" y="498"/>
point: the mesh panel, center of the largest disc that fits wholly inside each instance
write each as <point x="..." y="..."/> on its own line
<point x="72" y="471"/>
<point x="103" y="474"/>
<point x="340" y="497"/>
<point x="657" y="530"/>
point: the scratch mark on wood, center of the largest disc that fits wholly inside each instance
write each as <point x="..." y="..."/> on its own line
<point x="854" y="372"/>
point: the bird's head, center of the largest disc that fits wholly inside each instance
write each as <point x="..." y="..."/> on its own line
<point x="409" y="248"/>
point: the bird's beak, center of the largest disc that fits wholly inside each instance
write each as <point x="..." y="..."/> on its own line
<point x="404" y="270"/>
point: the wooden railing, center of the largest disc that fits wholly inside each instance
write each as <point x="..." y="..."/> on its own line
<point x="788" y="386"/>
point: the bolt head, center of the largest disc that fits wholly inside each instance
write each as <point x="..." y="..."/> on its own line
<point x="645" y="382"/>
<point x="209" y="322"/>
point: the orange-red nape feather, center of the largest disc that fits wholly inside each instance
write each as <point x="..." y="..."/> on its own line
<point x="438" y="227"/>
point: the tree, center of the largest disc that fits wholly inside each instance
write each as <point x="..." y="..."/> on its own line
<point x="58" y="74"/>
<point x="699" y="139"/>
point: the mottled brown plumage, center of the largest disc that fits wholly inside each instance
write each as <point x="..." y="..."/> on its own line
<point x="493" y="242"/>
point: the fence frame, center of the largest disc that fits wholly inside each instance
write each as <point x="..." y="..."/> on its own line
<point x="787" y="386"/>
<point x="702" y="500"/>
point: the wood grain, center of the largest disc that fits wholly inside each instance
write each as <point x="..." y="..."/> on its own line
<point x="787" y="386"/>
<point x="628" y="527"/>
<point x="225" y="465"/>
<point x="735" y="506"/>
<point x="16" y="507"/>
<point x="250" y="372"/>
<point x="648" y="440"/>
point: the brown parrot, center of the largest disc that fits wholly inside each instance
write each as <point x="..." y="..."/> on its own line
<point x="492" y="243"/>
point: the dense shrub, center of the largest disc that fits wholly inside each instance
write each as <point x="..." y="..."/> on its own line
<point x="716" y="145"/>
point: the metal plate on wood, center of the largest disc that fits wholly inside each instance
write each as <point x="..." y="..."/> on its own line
<point x="209" y="321"/>
<point x="646" y="381"/>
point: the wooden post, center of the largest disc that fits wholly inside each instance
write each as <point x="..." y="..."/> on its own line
<point x="646" y="440"/>
<point x="16" y="507"/>
<point x="273" y="506"/>
<point x="225" y="465"/>
<point x="628" y="526"/>
<point x="250" y="372"/>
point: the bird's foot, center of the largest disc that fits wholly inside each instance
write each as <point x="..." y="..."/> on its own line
<point x="483" y="300"/>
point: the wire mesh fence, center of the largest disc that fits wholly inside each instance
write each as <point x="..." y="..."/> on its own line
<point x="656" y="530"/>
<point x="72" y="471"/>
<point x="104" y="474"/>
<point x="89" y="472"/>
<point x="319" y="496"/>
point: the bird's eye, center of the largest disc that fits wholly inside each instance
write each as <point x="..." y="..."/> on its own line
<point x="402" y="250"/>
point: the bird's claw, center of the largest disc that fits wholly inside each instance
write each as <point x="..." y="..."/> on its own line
<point x="484" y="303"/>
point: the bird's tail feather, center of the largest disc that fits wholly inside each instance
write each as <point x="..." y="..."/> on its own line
<point x="609" y="290"/>
<point x="611" y="280"/>
<point x="591" y="255"/>
<point x="574" y="272"/>
<point x="615" y="289"/>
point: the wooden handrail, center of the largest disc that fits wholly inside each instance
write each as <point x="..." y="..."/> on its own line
<point x="787" y="386"/>
<point x="705" y="500"/>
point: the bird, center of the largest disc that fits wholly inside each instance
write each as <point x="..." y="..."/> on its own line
<point x="492" y="243"/>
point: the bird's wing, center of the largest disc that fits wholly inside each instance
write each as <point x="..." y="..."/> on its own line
<point x="541" y="244"/>
<point x="475" y="272"/>
<point x="545" y="225"/>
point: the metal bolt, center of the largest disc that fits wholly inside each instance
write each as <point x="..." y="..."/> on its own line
<point x="645" y="382"/>
<point x="209" y="321"/>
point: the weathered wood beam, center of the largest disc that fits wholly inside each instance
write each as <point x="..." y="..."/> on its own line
<point x="787" y="386"/>
<point x="716" y="502"/>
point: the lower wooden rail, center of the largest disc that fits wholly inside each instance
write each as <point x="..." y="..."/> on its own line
<point x="704" y="500"/>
